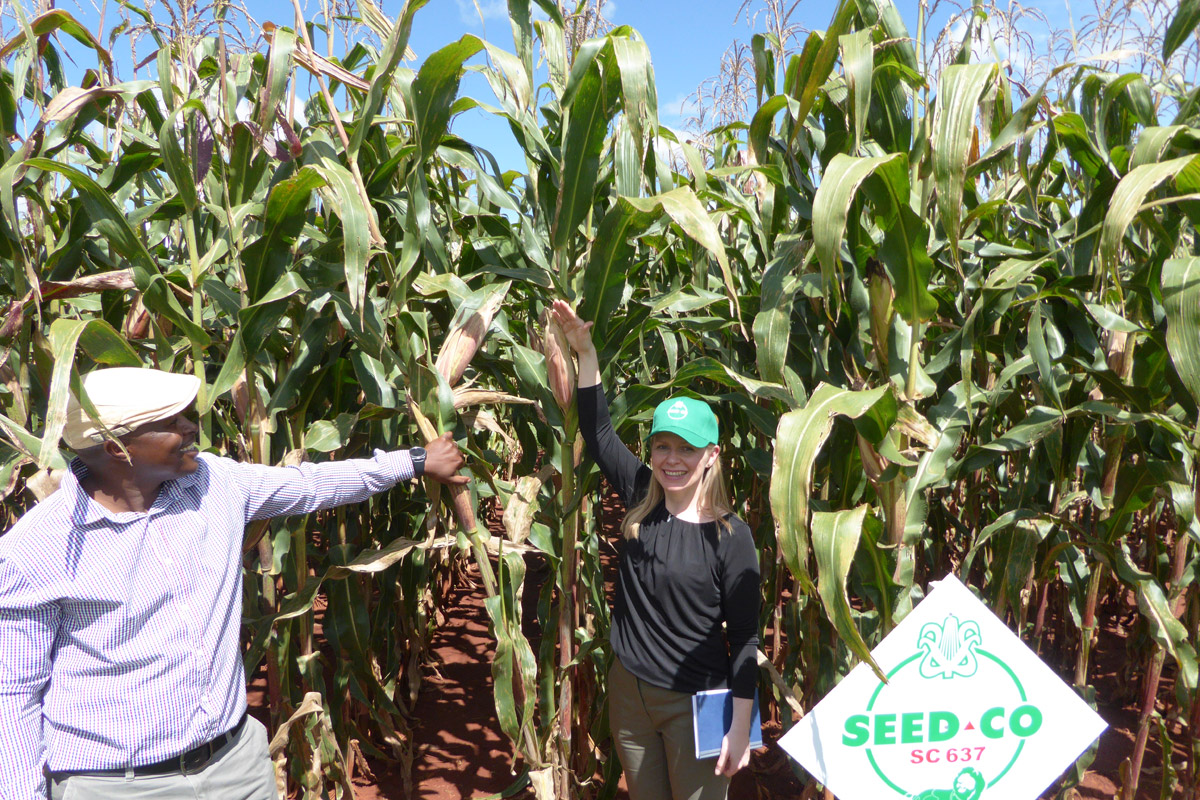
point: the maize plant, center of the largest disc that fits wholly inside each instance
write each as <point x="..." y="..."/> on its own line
<point x="958" y="312"/>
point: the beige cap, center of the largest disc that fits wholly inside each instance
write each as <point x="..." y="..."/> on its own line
<point x="125" y="399"/>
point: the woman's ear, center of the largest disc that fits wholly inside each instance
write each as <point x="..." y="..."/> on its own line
<point x="714" y="452"/>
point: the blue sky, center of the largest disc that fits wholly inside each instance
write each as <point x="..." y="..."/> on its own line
<point x="686" y="42"/>
<point x="686" y="39"/>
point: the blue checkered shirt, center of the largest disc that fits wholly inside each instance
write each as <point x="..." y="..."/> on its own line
<point x="120" y="633"/>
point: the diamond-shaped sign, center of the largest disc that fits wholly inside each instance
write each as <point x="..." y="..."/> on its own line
<point x="968" y="712"/>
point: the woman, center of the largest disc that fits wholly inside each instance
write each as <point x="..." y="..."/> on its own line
<point x="688" y="566"/>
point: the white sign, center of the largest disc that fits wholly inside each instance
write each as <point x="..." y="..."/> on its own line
<point x="968" y="712"/>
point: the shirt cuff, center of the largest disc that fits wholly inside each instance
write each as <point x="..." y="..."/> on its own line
<point x="398" y="462"/>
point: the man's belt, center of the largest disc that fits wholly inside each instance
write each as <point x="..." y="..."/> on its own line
<point x="193" y="760"/>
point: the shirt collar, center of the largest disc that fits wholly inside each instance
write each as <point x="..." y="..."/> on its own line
<point x="85" y="511"/>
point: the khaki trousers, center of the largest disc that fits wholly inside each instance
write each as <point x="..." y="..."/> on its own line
<point x="653" y="732"/>
<point x="242" y="771"/>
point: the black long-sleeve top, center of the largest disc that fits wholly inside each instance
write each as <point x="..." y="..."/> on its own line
<point x="677" y="582"/>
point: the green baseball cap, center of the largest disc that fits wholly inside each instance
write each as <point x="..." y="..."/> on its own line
<point x="688" y="418"/>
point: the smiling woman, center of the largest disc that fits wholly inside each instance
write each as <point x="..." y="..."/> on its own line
<point x="686" y="613"/>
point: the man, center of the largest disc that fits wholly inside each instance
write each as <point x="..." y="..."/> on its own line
<point x="121" y="600"/>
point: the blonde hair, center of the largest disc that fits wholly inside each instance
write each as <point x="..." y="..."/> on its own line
<point x="713" y="494"/>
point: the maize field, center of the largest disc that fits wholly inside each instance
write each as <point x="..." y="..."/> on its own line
<point x="950" y="323"/>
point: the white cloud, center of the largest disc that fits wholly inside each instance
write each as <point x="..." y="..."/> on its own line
<point x="675" y="112"/>
<point x="470" y="11"/>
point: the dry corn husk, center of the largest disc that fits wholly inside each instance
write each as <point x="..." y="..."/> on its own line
<point x="560" y="368"/>
<point x="483" y="420"/>
<point x="137" y="321"/>
<point x="241" y="398"/>
<point x="45" y="482"/>
<point x="14" y="477"/>
<point x="518" y="514"/>
<point x="465" y="396"/>
<point x="464" y="340"/>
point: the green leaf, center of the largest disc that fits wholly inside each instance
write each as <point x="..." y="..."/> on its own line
<point x="817" y="59"/>
<point x="831" y="207"/>
<point x="858" y="60"/>
<point x="269" y="257"/>
<point x="1037" y="424"/>
<point x="684" y="208"/>
<point x="639" y="95"/>
<point x="960" y="91"/>
<point x="1041" y="356"/>
<point x="111" y="224"/>
<point x="589" y="109"/>
<point x="798" y="440"/>
<point x="1153" y="142"/>
<point x="435" y="88"/>
<point x="1127" y="200"/>
<point x="98" y="338"/>
<point x="1182" y="27"/>
<point x="176" y="162"/>
<point x="381" y="79"/>
<point x="772" y="324"/>
<point x="325" y="436"/>
<point x="1181" y="302"/>
<point x="1170" y="634"/>
<point x="835" y="537"/>
<point x="604" y="277"/>
<point x="279" y="71"/>
<point x="342" y="195"/>
<point x="760" y="126"/>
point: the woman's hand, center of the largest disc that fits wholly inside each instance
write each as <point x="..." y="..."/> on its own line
<point x="735" y="747"/>
<point x="579" y="336"/>
<point x="443" y="460"/>
<point x="735" y="753"/>
<point x="578" y="332"/>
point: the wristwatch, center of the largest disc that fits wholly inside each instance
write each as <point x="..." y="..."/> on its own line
<point x="417" y="454"/>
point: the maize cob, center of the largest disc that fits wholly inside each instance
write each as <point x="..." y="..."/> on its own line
<point x="463" y="341"/>
<point x="560" y="368"/>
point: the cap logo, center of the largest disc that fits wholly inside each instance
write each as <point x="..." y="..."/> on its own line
<point x="677" y="411"/>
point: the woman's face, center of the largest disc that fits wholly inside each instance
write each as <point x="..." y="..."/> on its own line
<point x="678" y="465"/>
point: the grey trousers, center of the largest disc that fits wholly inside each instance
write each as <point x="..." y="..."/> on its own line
<point x="242" y="771"/>
<point x="652" y="728"/>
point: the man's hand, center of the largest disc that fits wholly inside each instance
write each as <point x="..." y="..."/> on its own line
<point x="443" y="460"/>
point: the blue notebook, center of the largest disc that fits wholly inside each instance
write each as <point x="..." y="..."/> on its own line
<point x="712" y="714"/>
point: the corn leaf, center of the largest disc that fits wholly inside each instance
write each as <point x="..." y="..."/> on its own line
<point x="1181" y="302"/>
<point x="798" y="440"/>
<point x="435" y="88"/>
<point x="1127" y="201"/>
<point x="835" y="537"/>
<point x="959" y="94"/>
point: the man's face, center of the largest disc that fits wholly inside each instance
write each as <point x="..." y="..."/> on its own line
<point x="163" y="450"/>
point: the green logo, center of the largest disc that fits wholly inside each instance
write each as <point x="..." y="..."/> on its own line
<point x="967" y="786"/>
<point x="949" y="648"/>
<point x="977" y="736"/>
